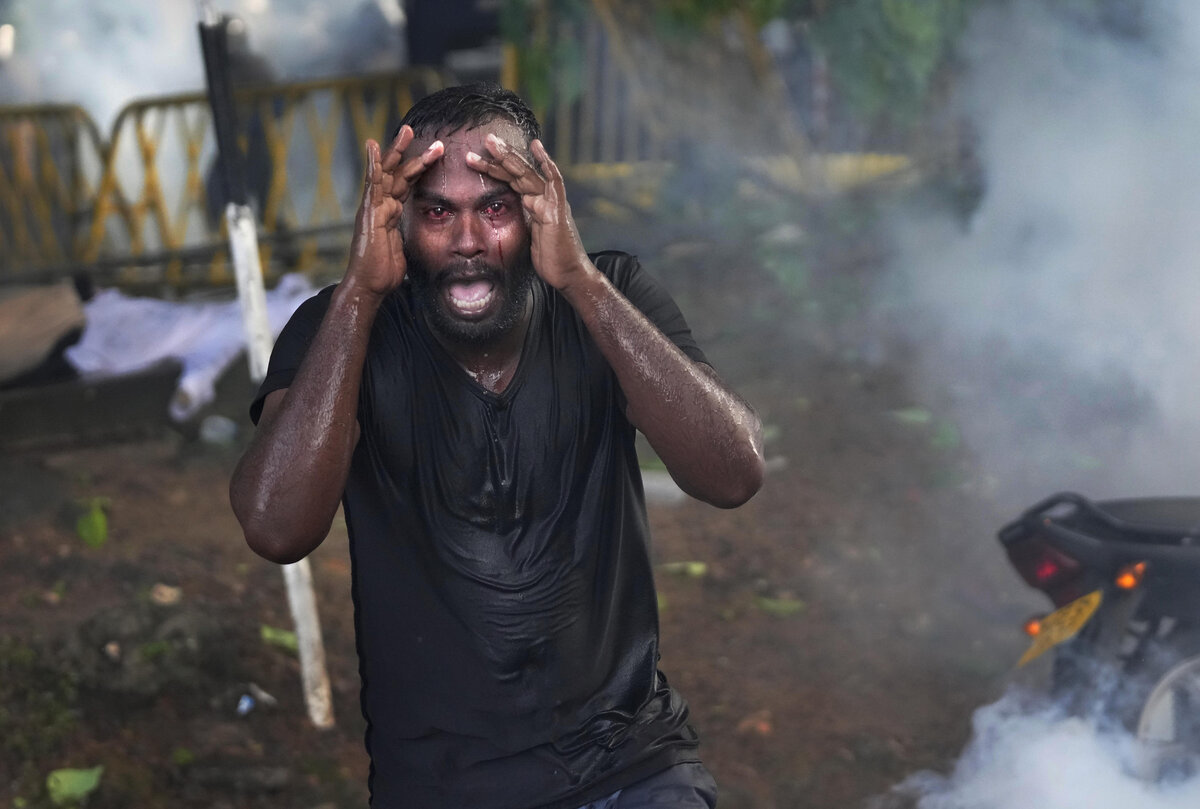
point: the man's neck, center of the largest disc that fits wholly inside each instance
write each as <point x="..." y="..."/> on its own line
<point x="491" y="364"/>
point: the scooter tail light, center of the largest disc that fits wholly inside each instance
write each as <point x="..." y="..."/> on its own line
<point x="1044" y="566"/>
<point x="1033" y="627"/>
<point x="1130" y="576"/>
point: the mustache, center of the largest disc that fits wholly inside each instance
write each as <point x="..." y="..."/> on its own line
<point x="469" y="270"/>
<point x="425" y="274"/>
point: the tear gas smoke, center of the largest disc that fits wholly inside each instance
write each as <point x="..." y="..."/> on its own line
<point x="1019" y="759"/>
<point x="1063" y="317"/>
<point x="104" y="53"/>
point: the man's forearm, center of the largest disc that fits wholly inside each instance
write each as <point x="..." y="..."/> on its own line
<point x="287" y="487"/>
<point x="708" y="437"/>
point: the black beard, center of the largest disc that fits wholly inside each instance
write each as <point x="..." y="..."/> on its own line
<point x="513" y="286"/>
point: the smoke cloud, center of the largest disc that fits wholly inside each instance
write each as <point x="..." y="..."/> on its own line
<point x="1063" y="321"/>
<point x="1019" y="759"/>
<point x="105" y="53"/>
<point x="1064" y="317"/>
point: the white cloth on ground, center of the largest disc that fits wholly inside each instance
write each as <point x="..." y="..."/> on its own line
<point x="126" y="334"/>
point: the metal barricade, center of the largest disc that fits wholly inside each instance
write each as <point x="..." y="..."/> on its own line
<point x="144" y="209"/>
<point x="49" y="158"/>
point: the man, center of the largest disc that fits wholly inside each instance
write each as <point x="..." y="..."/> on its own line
<point x="470" y="392"/>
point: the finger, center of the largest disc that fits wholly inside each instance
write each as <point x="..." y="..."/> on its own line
<point x="507" y="156"/>
<point x="509" y="166"/>
<point x="371" y="146"/>
<point x="372" y="173"/>
<point x="414" y="168"/>
<point x="492" y="168"/>
<point x="547" y="167"/>
<point x="406" y="176"/>
<point x="395" y="152"/>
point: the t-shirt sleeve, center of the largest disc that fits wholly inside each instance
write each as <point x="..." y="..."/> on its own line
<point x="290" y="348"/>
<point x="651" y="298"/>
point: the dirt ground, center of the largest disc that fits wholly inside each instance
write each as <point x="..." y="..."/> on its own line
<point x="836" y="638"/>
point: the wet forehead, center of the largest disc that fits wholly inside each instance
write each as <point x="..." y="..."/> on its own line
<point x="461" y="141"/>
<point x="450" y="178"/>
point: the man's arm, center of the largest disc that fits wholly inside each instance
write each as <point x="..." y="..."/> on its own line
<point x="708" y="437"/>
<point x="286" y="489"/>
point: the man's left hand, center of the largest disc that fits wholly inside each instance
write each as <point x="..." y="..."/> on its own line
<point x="557" y="251"/>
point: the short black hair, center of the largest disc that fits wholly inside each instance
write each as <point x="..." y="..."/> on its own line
<point x="468" y="106"/>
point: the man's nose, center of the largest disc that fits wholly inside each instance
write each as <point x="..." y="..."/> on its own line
<point x="468" y="236"/>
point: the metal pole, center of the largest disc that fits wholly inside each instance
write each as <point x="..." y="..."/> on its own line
<point x="243" y="247"/>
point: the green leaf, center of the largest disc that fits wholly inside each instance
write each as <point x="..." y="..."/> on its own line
<point x="912" y="415"/>
<point x="153" y="650"/>
<point x="68" y="787"/>
<point x="781" y="607"/>
<point x="946" y="436"/>
<point x="92" y="525"/>
<point x="695" y="570"/>
<point x="282" y="638"/>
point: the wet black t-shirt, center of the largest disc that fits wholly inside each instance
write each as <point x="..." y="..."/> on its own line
<point x="504" y="603"/>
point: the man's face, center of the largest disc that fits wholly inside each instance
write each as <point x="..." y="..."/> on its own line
<point x="466" y="241"/>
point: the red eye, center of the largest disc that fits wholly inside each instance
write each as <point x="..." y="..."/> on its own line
<point x="496" y="208"/>
<point x="437" y="212"/>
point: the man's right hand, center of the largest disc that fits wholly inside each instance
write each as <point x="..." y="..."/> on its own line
<point x="377" y="261"/>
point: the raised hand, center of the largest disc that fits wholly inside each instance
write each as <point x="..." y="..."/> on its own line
<point x="557" y="251"/>
<point x="377" y="250"/>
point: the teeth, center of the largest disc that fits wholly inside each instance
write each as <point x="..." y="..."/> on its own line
<point x="473" y="306"/>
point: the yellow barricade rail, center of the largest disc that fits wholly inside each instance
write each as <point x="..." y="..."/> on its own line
<point x="47" y="159"/>
<point x="145" y="207"/>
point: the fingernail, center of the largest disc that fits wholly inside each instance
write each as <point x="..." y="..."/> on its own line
<point x="499" y="141"/>
<point x="434" y="145"/>
<point x="473" y="156"/>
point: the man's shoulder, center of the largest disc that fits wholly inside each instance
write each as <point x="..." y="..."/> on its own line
<point x="617" y="265"/>
<point x="318" y="303"/>
<point x="609" y="260"/>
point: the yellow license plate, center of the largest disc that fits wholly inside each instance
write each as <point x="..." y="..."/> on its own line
<point x="1062" y="625"/>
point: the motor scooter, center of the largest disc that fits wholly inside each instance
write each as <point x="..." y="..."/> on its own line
<point x="1124" y="578"/>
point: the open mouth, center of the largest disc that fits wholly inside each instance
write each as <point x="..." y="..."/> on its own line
<point x="470" y="297"/>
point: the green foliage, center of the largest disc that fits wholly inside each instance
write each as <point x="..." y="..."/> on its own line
<point x="282" y="638"/>
<point x="36" y="703"/>
<point x="549" y="66"/>
<point x="92" y="525"/>
<point x="154" y="650"/>
<point x="684" y="15"/>
<point x="780" y="607"/>
<point x="695" y="570"/>
<point x="71" y="787"/>
<point x="883" y="55"/>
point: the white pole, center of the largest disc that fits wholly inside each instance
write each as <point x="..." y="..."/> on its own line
<point x="243" y="244"/>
